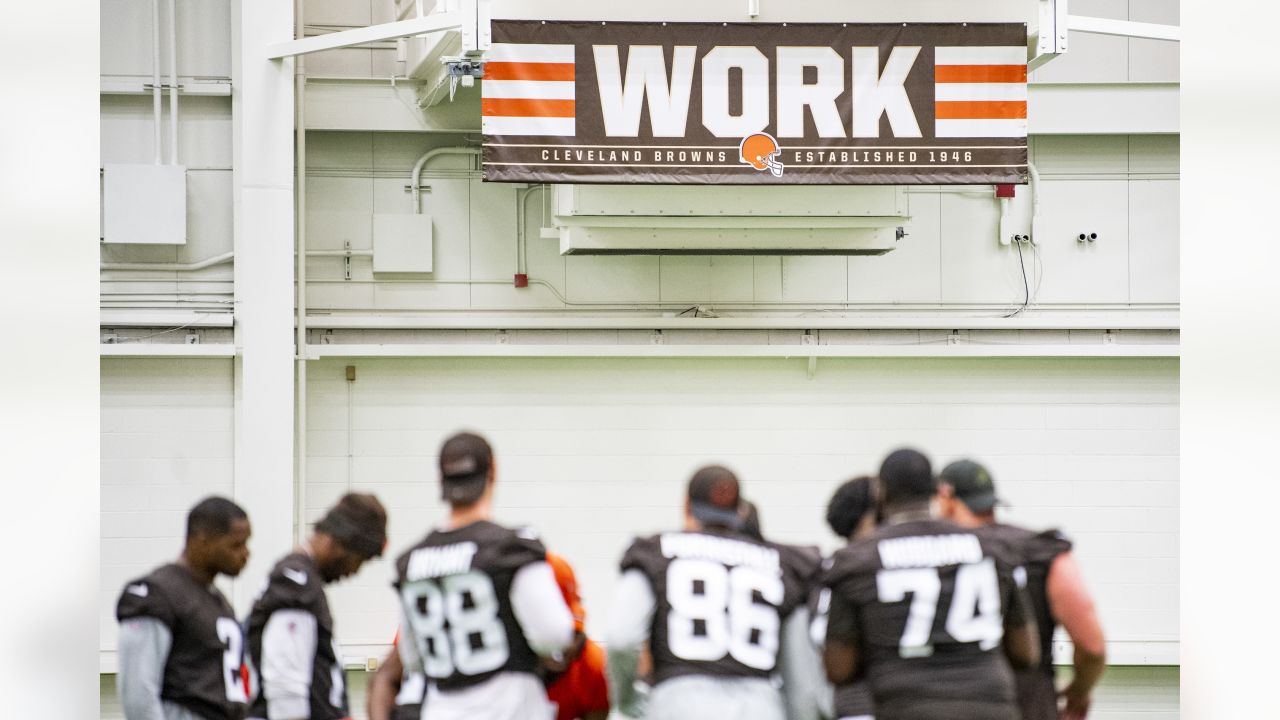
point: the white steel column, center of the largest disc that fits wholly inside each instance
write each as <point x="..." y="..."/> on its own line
<point x="262" y="119"/>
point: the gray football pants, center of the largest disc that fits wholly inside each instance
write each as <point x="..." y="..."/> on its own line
<point x="702" y="697"/>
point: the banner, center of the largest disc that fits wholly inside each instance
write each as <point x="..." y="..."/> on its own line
<point x="748" y="103"/>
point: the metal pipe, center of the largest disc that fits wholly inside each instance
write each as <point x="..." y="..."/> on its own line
<point x="172" y="267"/>
<point x="300" y="352"/>
<point x="173" y="83"/>
<point x="427" y="157"/>
<point x="155" y="75"/>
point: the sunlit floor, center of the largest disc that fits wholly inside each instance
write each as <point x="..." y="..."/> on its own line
<point x="1126" y="693"/>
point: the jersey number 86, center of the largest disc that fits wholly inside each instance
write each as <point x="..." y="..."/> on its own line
<point x="722" y="601"/>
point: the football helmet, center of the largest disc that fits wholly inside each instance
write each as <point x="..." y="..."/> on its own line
<point x="761" y="151"/>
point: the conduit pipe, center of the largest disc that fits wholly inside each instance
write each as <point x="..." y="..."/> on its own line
<point x="155" y="75"/>
<point x="173" y="83"/>
<point x="172" y="267"/>
<point x="427" y="157"/>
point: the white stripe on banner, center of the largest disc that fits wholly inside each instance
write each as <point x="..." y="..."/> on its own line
<point x="998" y="55"/>
<point x="533" y="53"/>
<point x="528" y="126"/>
<point x="531" y="89"/>
<point x="980" y="128"/>
<point x="980" y="91"/>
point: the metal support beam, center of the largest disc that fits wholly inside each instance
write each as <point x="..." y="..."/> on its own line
<point x="360" y="36"/>
<point x="262" y="149"/>
<point x="1050" y="37"/>
<point x="1124" y="28"/>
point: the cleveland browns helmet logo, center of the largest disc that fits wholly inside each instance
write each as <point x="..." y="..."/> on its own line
<point x="761" y="151"/>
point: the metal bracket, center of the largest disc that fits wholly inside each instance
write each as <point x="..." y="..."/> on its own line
<point x="1124" y="28"/>
<point x="1050" y="37"/>
<point x="346" y="261"/>
<point x="462" y="70"/>
<point x="437" y="22"/>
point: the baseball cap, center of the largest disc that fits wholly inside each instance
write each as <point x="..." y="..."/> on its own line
<point x="465" y="459"/>
<point x="715" y="497"/>
<point x="972" y="484"/>
<point x="568" y="583"/>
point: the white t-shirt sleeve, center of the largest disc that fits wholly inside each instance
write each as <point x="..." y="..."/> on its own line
<point x="289" y="643"/>
<point x="540" y="608"/>
<point x="142" y="651"/>
<point x="630" y="618"/>
<point x="632" y="611"/>
<point x="808" y="696"/>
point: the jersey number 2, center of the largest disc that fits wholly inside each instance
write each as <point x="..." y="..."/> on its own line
<point x="229" y="633"/>
<point x="469" y="605"/>
<point x="974" y="615"/>
<point x="732" y="622"/>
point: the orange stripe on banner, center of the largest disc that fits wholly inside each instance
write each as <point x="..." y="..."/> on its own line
<point x="980" y="110"/>
<point x="527" y="71"/>
<point x="967" y="73"/>
<point x="508" y="107"/>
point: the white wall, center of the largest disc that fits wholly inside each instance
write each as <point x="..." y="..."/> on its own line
<point x="1125" y="188"/>
<point x="592" y="452"/>
<point x="166" y="444"/>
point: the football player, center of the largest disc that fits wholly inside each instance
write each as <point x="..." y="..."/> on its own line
<point x="717" y="609"/>
<point x="923" y="608"/>
<point x="480" y="602"/>
<point x="394" y="693"/>
<point x="852" y="514"/>
<point x="180" y="650"/>
<point x="576" y="685"/>
<point x="292" y="641"/>
<point x="1055" y="587"/>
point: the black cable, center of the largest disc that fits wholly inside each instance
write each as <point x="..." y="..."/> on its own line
<point x="1026" y="288"/>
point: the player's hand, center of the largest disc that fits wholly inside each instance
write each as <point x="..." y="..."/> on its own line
<point x="1077" y="703"/>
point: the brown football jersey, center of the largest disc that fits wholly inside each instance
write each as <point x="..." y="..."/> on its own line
<point x="202" y="672"/>
<point x="295" y="584"/>
<point x="926" y="602"/>
<point x="1037" y="695"/>
<point x="455" y="586"/>
<point x="721" y="600"/>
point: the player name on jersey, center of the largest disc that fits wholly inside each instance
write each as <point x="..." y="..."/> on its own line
<point x="723" y="550"/>
<point x="432" y="562"/>
<point x="929" y="551"/>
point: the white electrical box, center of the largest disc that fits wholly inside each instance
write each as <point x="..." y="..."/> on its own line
<point x="401" y="243"/>
<point x="144" y="204"/>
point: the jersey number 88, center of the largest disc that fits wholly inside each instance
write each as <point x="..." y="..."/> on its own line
<point x="445" y="615"/>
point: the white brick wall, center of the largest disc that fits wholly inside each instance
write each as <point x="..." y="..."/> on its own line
<point x="166" y="443"/>
<point x="592" y="452"/>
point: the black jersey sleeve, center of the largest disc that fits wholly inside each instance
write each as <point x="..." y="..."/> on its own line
<point x="842" y="620"/>
<point x="1044" y="547"/>
<point x="801" y="569"/>
<point x="510" y="552"/>
<point x="292" y="585"/>
<point x="644" y="555"/>
<point x="146" y="597"/>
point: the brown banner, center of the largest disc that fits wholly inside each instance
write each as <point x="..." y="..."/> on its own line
<point x="747" y="103"/>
